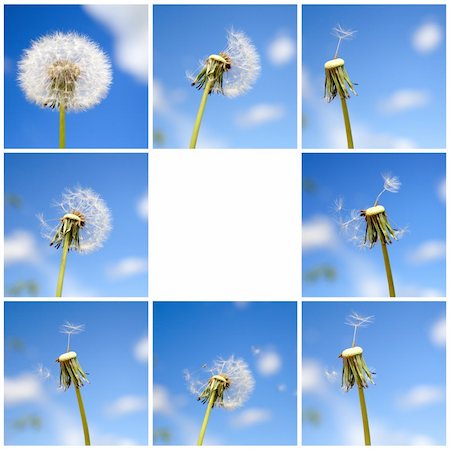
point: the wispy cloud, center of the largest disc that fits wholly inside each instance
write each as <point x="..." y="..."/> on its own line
<point x="24" y="388"/>
<point x="260" y="114"/>
<point x="422" y="395"/>
<point x="127" y="267"/>
<point x="281" y="50"/>
<point x="251" y="417"/>
<point x="427" y="37"/>
<point x="438" y="332"/>
<point x="142" y="206"/>
<point x="129" y="26"/>
<point x="312" y="376"/>
<point x="319" y="232"/>
<point x="427" y="252"/>
<point x="268" y="362"/>
<point x="405" y="100"/>
<point x="127" y="404"/>
<point x="140" y="350"/>
<point x="441" y="190"/>
<point x="21" y="247"/>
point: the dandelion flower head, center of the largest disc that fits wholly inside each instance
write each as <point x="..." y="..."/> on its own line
<point x="65" y="69"/>
<point x="234" y="70"/>
<point x="229" y="379"/>
<point x="85" y="215"/>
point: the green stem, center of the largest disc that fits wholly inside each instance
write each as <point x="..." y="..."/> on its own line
<point x="62" y="126"/>
<point x="62" y="267"/>
<point x="348" y="128"/>
<point x="365" y="419"/>
<point x="212" y="399"/>
<point x="87" y="439"/>
<point x="201" y="110"/>
<point x="387" y="265"/>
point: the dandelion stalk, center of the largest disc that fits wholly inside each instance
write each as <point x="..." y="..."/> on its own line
<point x="355" y="370"/>
<point x="62" y="126"/>
<point x="72" y="373"/>
<point x="211" y="402"/>
<point x="337" y="81"/>
<point x="387" y="265"/>
<point x="62" y="267"/>
<point x="231" y="72"/>
<point x="65" y="72"/>
<point x="201" y="110"/>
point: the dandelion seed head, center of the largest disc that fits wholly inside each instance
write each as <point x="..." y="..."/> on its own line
<point x="234" y="70"/>
<point x="239" y="381"/>
<point x="96" y="216"/>
<point x="391" y="183"/>
<point x="65" y="68"/>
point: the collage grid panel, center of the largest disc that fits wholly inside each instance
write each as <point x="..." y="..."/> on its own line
<point x="198" y="283"/>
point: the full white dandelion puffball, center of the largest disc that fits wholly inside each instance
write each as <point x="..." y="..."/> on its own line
<point x="95" y="219"/>
<point x="65" y="69"/>
<point x="239" y="381"/>
<point x="241" y="68"/>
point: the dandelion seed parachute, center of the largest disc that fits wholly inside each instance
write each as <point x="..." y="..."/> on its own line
<point x="230" y="379"/>
<point x="96" y="220"/>
<point x="65" y="69"/>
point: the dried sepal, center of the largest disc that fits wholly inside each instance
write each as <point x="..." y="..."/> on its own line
<point x="337" y="80"/>
<point x="70" y="371"/>
<point x="378" y="227"/>
<point x="355" y="370"/>
<point x="216" y="386"/>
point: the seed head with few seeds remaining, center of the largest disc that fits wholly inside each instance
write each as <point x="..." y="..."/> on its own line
<point x="65" y="69"/>
<point x="85" y="216"/>
<point x="230" y="380"/>
<point x="233" y="71"/>
<point x="377" y="226"/>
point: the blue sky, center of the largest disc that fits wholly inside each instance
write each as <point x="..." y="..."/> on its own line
<point x="121" y="120"/>
<point x="397" y="57"/>
<point x="265" y="117"/>
<point x="190" y="334"/>
<point x="112" y="350"/>
<point x="405" y="346"/>
<point x="417" y="259"/>
<point x="33" y="183"/>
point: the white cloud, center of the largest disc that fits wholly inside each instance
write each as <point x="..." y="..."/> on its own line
<point x="250" y="417"/>
<point x="128" y="404"/>
<point x="23" y="389"/>
<point x="162" y="403"/>
<point x="128" y="267"/>
<point x="142" y="207"/>
<point x="438" y="332"/>
<point x="260" y="115"/>
<point x="428" y="252"/>
<point x="281" y="50"/>
<point x="268" y="363"/>
<point x="422" y="395"/>
<point x="20" y="247"/>
<point x="312" y="376"/>
<point x="442" y="190"/>
<point x="427" y="37"/>
<point x="405" y="100"/>
<point x="128" y="24"/>
<point x="140" y="350"/>
<point x="317" y="233"/>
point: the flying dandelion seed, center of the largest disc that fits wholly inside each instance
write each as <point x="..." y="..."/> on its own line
<point x="84" y="226"/>
<point x="231" y="72"/>
<point x="228" y="384"/>
<point x="64" y="71"/>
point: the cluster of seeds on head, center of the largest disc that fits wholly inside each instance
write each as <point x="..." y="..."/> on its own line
<point x="70" y="225"/>
<point x="213" y="70"/>
<point x="216" y="387"/>
<point x="63" y="76"/>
